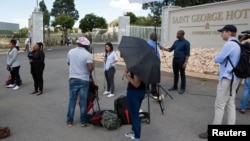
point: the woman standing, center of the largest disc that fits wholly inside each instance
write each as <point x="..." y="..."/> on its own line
<point x="135" y="94"/>
<point x="13" y="65"/>
<point x="110" y="68"/>
<point x="36" y="58"/>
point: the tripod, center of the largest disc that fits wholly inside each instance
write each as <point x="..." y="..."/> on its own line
<point x="159" y="98"/>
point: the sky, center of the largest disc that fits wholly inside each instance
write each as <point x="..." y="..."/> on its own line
<point x="19" y="11"/>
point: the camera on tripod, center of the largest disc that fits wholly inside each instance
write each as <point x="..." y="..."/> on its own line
<point x="244" y="35"/>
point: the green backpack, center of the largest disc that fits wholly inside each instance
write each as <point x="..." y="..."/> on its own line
<point x="110" y="120"/>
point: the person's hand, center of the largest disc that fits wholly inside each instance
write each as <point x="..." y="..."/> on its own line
<point x="125" y="71"/>
<point x="184" y="65"/>
<point x="8" y="67"/>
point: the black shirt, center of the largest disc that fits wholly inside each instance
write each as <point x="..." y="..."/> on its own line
<point x="131" y="87"/>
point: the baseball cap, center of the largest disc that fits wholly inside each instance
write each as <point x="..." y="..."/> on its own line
<point x="228" y="27"/>
<point x="83" y="41"/>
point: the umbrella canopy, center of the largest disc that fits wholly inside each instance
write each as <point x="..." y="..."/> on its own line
<point x="142" y="1"/>
<point x="140" y="59"/>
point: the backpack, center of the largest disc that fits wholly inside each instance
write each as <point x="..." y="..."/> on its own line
<point x="241" y="70"/>
<point x="110" y="120"/>
<point x="96" y="118"/>
<point x="121" y="108"/>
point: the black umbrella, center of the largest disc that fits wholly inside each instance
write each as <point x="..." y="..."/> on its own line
<point x="140" y="59"/>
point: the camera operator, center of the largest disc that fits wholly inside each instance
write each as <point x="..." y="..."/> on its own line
<point x="246" y="92"/>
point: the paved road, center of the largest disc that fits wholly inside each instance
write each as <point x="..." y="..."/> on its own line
<point x="42" y="118"/>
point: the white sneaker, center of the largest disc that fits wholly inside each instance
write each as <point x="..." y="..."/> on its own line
<point x="130" y="134"/>
<point x="16" y="88"/>
<point x="10" y="86"/>
<point x="106" y="92"/>
<point x="111" y="95"/>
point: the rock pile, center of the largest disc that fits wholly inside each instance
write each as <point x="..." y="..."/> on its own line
<point x="201" y="60"/>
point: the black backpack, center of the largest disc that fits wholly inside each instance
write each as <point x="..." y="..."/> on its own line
<point x="242" y="69"/>
<point x="121" y="108"/>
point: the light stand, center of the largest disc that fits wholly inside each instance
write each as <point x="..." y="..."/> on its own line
<point x="158" y="86"/>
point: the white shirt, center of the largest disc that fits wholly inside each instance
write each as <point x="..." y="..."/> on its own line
<point x="27" y="41"/>
<point x="110" y="58"/>
<point x="78" y="58"/>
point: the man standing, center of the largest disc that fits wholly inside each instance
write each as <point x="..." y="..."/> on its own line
<point x="80" y="63"/>
<point x="225" y="96"/>
<point x="153" y="44"/>
<point x="27" y="44"/>
<point x="181" y="49"/>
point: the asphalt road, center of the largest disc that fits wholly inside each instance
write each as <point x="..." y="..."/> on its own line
<point x="43" y="118"/>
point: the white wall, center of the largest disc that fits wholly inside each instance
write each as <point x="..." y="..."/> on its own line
<point x="201" y="23"/>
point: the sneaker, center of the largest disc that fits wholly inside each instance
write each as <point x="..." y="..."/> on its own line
<point x="203" y="135"/>
<point x="69" y="124"/>
<point x="10" y="86"/>
<point x="181" y="91"/>
<point x="84" y="125"/>
<point x="137" y="139"/>
<point x="130" y="134"/>
<point x="242" y="111"/>
<point x="111" y="95"/>
<point x="106" y="92"/>
<point x="16" y="87"/>
<point x="172" y="89"/>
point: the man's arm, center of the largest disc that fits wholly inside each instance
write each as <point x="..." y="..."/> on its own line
<point x="90" y="67"/>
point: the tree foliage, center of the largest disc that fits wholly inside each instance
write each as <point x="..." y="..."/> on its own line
<point x="65" y="15"/>
<point x="91" y="21"/>
<point x="156" y="7"/>
<point x="46" y="14"/>
<point x="66" y="7"/>
<point x="132" y="16"/>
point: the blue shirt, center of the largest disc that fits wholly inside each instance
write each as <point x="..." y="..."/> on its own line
<point x="181" y="48"/>
<point x="152" y="44"/>
<point x="231" y="49"/>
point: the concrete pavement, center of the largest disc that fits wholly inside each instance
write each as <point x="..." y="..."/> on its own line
<point x="42" y="118"/>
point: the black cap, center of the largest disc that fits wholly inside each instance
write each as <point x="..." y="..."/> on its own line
<point x="228" y="27"/>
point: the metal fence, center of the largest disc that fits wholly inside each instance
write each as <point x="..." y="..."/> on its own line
<point x="104" y="35"/>
<point x="97" y="36"/>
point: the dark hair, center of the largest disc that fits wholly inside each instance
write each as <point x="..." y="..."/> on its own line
<point x="110" y="45"/>
<point x="40" y="45"/>
<point x="13" y="41"/>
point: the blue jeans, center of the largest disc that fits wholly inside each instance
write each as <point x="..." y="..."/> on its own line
<point x="77" y="88"/>
<point x="246" y="94"/>
<point x="134" y="100"/>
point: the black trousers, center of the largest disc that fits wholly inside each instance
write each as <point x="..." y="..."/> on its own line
<point x="109" y="75"/>
<point x="179" y="70"/>
<point x="37" y="74"/>
<point x="15" y="77"/>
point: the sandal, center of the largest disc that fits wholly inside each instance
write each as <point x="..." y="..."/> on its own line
<point x="4" y="132"/>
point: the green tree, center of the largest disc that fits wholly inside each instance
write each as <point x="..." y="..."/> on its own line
<point x="91" y="21"/>
<point x="46" y="19"/>
<point x="64" y="10"/>
<point x="64" y="22"/>
<point x="23" y="32"/>
<point x="156" y="7"/>
<point x="132" y="16"/>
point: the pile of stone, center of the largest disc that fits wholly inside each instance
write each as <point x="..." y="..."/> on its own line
<point x="201" y="60"/>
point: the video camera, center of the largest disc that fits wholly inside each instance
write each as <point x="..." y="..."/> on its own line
<point x="244" y="35"/>
<point x="89" y="48"/>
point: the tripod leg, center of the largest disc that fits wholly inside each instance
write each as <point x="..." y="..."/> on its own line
<point x="160" y="101"/>
<point x="166" y="92"/>
<point x="148" y="109"/>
